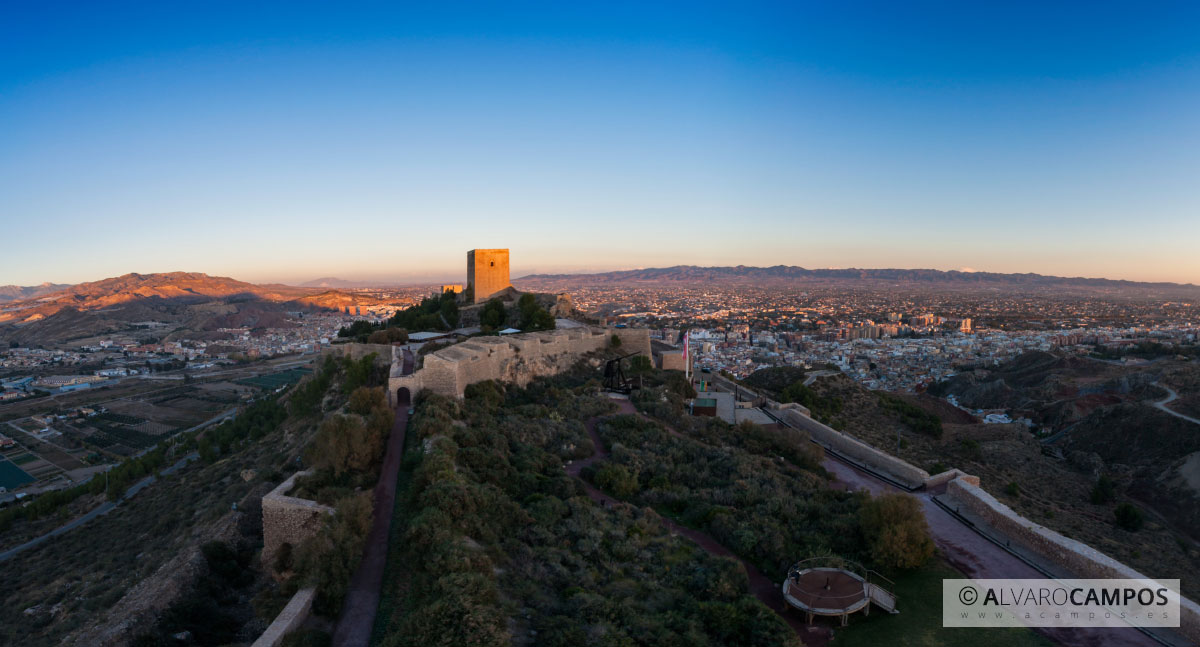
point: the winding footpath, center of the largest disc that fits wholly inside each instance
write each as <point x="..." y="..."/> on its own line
<point x="357" y="619"/>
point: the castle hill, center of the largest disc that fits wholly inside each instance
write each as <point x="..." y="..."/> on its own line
<point x="615" y="324"/>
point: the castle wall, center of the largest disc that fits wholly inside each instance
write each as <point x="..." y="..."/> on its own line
<point x="515" y="359"/>
<point x="1076" y="557"/>
<point x="288" y="520"/>
<point x="383" y="352"/>
<point x="859" y="451"/>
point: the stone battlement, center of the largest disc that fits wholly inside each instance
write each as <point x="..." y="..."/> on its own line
<point x="516" y="359"/>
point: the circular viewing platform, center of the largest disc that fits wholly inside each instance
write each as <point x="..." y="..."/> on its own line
<point x="831" y="588"/>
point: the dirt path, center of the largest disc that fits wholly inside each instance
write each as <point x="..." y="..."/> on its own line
<point x="761" y="587"/>
<point x="362" y="600"/>
<point x="1161" y="405"/>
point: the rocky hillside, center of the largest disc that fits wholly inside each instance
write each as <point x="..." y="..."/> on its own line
<point x="22" y="292"/>
<point x="195" y="301"/>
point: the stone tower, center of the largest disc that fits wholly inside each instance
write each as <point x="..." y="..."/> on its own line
<point x="487" y="272"/>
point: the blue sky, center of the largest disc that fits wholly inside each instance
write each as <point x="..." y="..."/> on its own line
<point x="291" y="141"/>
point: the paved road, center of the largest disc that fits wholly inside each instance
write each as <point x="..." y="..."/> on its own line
<point x="357" y="619"/>
<point x="812" y="377"/>
<point x="978" y="557"/>
<point x="1171" y="397"/>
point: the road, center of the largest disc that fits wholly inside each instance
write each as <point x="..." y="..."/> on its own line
<point x="812" y="377"/>
<point x="1171" y="397"/>
<point x="99" y="510"/>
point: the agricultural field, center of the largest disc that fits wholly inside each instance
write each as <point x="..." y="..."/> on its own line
<point x="12" y="476"/>
<point x="273" y="381"/>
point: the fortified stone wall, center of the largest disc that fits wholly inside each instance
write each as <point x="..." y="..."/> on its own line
<point x="859" y="451"/>
<point x="516" y="359"/>
<point x="383" y="352"/>
<point x="1076" y="557"/>
<point x="288" y="520"/>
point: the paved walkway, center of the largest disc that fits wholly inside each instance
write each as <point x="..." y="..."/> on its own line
<point x="362" y="600"/>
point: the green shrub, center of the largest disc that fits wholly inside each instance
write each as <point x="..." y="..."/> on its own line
<point x="1104" y="491"/>
<point x="896" y="531"/>
<point x="1129" y="517"/>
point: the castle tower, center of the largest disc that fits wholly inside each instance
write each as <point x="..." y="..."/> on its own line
<point x="487" y="272"/>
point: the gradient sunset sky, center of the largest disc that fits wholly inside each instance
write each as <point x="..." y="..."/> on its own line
<point x="290" y="141"/>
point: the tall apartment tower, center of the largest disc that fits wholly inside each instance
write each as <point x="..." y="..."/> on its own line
<point x="487" y="272"/>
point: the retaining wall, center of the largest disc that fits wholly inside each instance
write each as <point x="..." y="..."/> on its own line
<point x="288" y="620"/>
<point x="288" y="520"/>
<point x="1078" y="558"/>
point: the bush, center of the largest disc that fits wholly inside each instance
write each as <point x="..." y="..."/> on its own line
<point x="327" y="559"/>
<point x="391" y="335"/>
<point x="1129" y="517"/>
<point x="896" y="531"/>
<point x="350" y="443"/>
<point x="616" y="479"/>
<point x="822" y="408"/>
<point x="1104" y="491"/>
<point x="916" y="418"/>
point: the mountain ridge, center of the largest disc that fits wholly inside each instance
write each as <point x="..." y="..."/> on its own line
<point x="680" y="273"/>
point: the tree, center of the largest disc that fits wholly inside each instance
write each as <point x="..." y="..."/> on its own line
<point x="449" y="309"/>
<point x="896" y="531"/>
<point x="615" y="342"/>
<point x="493" y="315"/>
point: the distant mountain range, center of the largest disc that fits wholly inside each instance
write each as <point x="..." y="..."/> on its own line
<point x="19" y="292"/>
<point x="191" y="301"/>
<point x="791" y="274"/>
<point x="332" y="282"/>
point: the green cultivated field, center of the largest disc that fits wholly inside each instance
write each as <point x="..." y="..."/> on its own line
<point x="12" y="476"/>
<point x="276" y="380"/>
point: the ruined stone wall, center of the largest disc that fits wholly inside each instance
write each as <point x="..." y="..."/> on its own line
<point x="515" y="359"/>
<point x="288" y="520"/>
<point x="1076" y="557"/>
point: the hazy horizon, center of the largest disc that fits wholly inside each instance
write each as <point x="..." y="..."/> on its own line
<point x="283" y="143"/>
<point x="518" y="272"/>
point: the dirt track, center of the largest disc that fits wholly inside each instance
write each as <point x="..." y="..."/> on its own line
<point x="362" y="600"/>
